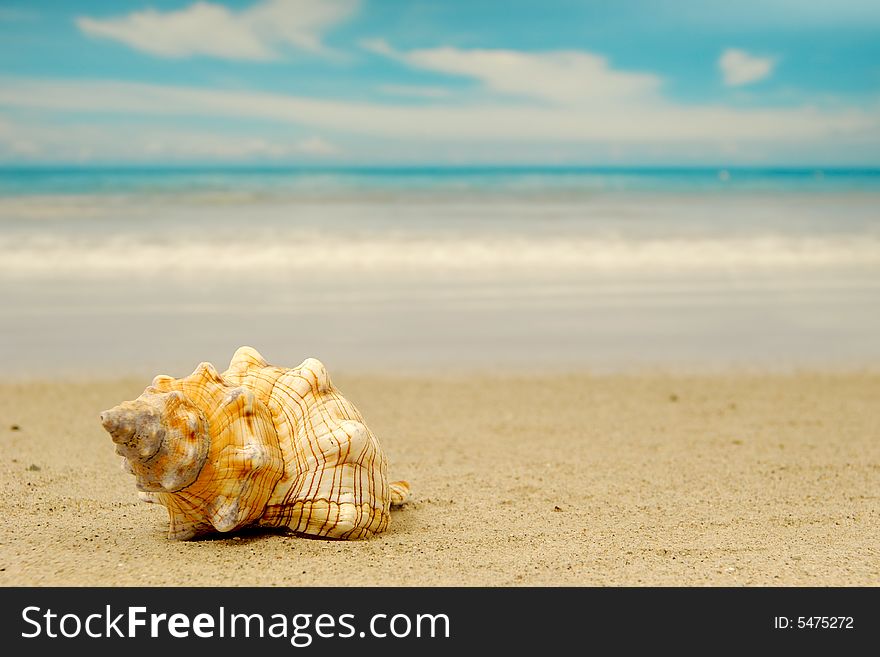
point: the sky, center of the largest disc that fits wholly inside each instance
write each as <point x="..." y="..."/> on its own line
<point x="440" y="82"/>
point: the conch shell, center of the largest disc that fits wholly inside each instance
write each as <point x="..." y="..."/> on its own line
<point x="257" y="445"/>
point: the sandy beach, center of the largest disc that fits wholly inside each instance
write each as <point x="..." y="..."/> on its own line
<point x="575" y="479"/>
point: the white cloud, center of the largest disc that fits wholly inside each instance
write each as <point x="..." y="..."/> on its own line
<point x="561" y="77"/>
<point x="377" y="46"/>
<point x="177" y="145"/>
<point x="316" y="146"/>
<point x="658" y="122"/>
<point x="24" y="141"/>
<point x="213" y="30"/>
<point x="182" y="145"/>
<point x="739" y="67"/>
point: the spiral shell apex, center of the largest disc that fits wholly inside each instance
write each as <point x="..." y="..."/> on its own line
<point x="256" y="445"/>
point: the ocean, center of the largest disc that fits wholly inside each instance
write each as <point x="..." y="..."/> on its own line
<point x="135" y="271"/>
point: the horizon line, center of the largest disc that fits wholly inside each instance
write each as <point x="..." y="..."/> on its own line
<point x="396" y="168"/>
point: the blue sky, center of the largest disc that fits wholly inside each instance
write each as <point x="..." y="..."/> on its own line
<point x="335" y="82"/>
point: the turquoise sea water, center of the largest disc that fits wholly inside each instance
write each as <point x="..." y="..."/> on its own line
<point x="112" y="271"/>
<point x="129" y="180"/>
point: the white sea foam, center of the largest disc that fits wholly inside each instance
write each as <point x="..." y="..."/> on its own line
<point x="43" y="255"/>
<point x="134" y="282"/>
